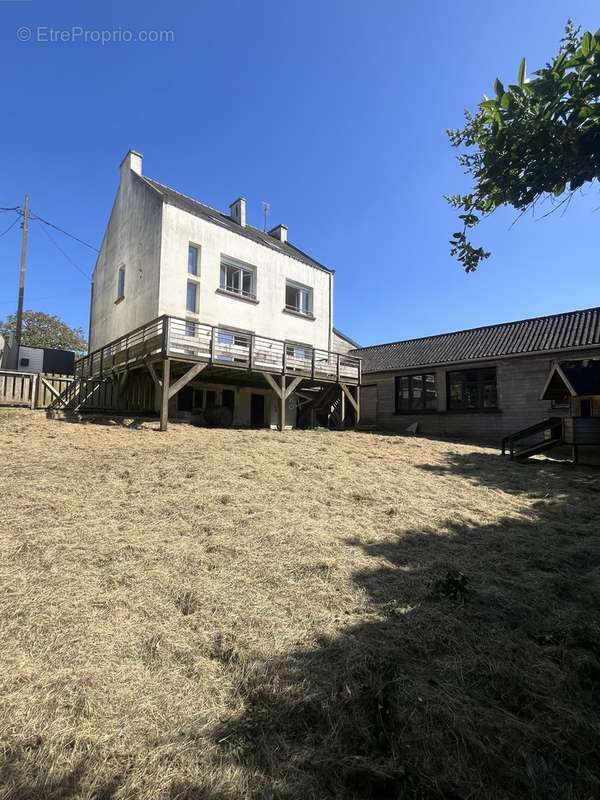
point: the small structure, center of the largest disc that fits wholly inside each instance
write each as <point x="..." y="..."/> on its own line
<point x="578" y="383"/>
<point x="46" y="359"/>
<point x="49" y="360"/>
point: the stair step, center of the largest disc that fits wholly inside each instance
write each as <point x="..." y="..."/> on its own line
<point x="540" y="447"/>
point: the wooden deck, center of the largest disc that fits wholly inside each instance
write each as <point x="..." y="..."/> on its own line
<point x="183" y="341"/>
<point x="175" y="351"/>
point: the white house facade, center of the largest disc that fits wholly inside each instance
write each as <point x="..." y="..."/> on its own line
<point x="164" y="253"/>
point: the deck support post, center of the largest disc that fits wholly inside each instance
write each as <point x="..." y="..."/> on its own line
<point x="282" y="405"/>
<point x="342" y="407"/>
<point x="282" y="393"/>
<point x="164" y="394"/>
<point x="355" y="401"/>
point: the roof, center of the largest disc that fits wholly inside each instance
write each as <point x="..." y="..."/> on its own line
<point x="209" y="214"/>
<point x="343" y="336"/>
<point x="577" y="380"/>
<point x="568" y="331"/>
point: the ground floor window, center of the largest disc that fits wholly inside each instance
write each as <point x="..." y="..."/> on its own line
<point x="416" y="392"/>
<point x="472" y="389"/>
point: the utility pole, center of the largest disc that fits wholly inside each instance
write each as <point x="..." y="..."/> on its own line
<point x="24" y="231"/>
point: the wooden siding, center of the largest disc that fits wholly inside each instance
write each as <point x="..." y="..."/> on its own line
<point x="520" y="381"/>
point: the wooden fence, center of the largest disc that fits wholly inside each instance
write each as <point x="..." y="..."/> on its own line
<point x="33" y="390"/>
<point x="30" y="389"/>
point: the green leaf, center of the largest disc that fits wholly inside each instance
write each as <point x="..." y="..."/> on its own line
<point x="498" y="88"/>
<point x="586" y="43"/>
<point x="521" y="73"/>
<point x="558" y="190"/>
<point x="506" y="98"/>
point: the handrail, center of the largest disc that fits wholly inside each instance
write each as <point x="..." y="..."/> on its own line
<point x="163" y="325"/>
<point x="539" y="427"/>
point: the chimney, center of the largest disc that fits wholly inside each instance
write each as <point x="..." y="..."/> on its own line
<point x="238" y="211"/>
<point x="133" y="162"/>
<point x="279" y="232"/>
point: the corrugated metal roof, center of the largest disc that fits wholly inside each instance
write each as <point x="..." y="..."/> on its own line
<point x="209" y="214"/>
<point x="566" y="331"/>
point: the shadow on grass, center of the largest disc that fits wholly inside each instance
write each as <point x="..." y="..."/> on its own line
<point x="488" y="693"/>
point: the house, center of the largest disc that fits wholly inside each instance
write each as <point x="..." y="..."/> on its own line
<point x="35" y="359"/>
<point x="222" y="321"/>
<point x="483" y="383"/>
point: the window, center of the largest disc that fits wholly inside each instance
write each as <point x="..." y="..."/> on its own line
<point x="192" y="297"/>
<point x="416" y="393"/>
<point x="299" y="351"/>
<point x="193" y="260"/>
<point x="204" y="398"/>
<point x="121" y="284"/>
<point x="238" y="279"/>
<point x="232" y="338"/>
<point x="298" y="298"/>
<point x="472" y="389"/>
<point x="24" y="362"/>
<point x="190" y="328"/>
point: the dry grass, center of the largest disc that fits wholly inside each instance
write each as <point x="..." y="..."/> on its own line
<point x="226" y="614"/>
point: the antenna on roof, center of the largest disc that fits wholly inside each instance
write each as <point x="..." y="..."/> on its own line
<point x="266" y="208"/>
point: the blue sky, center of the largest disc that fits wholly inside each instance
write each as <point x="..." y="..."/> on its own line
<point x="334" y="112"/>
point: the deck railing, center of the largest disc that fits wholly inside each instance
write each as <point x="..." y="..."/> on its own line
<point x="172" y="337"/>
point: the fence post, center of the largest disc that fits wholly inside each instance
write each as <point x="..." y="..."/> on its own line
<point x="33" y="391"/>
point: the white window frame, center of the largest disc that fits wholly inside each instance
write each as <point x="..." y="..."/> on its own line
<point x="231" y="263"/>
<point x="299" y="351"/>
<point x="300" y="288"/>
<point x="196" y="247"/>
<point x="196" y="286"/>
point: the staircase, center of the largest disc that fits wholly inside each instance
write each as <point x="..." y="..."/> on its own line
<point x="79" y="392"/>
<point x="326" y="403"/>
<point x="550" y="428"/>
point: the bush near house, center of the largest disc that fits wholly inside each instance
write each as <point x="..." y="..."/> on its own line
<point x="223" y="614"/>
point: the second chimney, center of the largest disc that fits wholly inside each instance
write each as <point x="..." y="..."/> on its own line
<point x="238" y="211"/>
<point x="279" y="232"/>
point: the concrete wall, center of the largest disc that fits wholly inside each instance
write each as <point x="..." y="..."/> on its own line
<point x="520" y="381"/>
<point x="242" y="400"/>
<point x="132" y="240"/>
<point x="265" y="317"/>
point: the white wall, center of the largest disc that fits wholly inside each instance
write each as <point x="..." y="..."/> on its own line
<point x="132" y="240"/>
<point x="266" y="317"/>
<point x="35" y="356"/>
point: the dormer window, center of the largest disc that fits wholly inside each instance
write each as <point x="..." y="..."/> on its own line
<point x="298" y="298"/>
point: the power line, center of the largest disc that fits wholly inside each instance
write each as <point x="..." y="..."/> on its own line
<point x="69" y="259"/>
<point x="66" y="233"/>
<point x="11" y="226"/>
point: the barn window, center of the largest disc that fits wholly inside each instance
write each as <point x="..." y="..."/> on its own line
<point x="472" y="389"/>
<point x="416" y="392"/>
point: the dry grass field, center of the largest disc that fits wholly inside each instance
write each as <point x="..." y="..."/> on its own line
<point x="222" y="614"/>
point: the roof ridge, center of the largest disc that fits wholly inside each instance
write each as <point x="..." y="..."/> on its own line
<point x="187" y="196"/>
<point x="482" y="328"/>
<point x="269" y="241"/>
